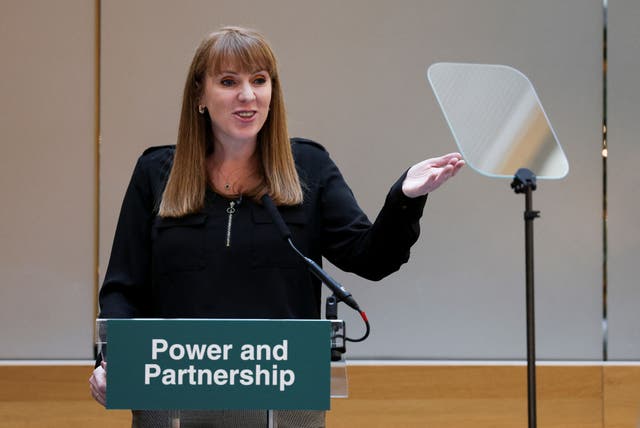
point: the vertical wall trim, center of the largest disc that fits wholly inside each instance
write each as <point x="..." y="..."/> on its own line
<point x="97" y="141"/>
<point x="605" y="152"/>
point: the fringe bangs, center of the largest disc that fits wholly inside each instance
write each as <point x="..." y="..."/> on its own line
<point x="245" y="51"/>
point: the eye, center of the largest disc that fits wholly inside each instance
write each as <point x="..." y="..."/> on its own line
<point x="260" y="80"/>
<point x="227" y="82"/>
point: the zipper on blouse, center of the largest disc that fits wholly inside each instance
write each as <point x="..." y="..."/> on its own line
<point x="231" y="210"/>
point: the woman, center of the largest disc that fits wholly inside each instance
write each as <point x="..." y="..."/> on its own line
<point x="193" y="239"/>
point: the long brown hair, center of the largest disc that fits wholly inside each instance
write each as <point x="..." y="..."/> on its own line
<point x="187" y="183"/>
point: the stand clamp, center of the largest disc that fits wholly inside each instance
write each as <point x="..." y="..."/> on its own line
<point x="523" y="180"/>
<point x="338" y="333"/>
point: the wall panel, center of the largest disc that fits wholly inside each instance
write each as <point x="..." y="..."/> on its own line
<point x="47" y="183"/>
<point x="623" y="129"/>
<point x="440" y="396"/>
<point x="354" y="79"/>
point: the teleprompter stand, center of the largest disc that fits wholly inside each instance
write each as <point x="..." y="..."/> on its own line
<point x="525" y="182"/>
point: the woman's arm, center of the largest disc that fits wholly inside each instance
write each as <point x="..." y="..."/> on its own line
<point x="373" y="251"/>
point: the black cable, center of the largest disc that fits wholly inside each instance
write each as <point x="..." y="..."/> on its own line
<point x="368" y="329"/>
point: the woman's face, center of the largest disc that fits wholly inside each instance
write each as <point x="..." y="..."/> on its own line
<point x="238" y="104"/>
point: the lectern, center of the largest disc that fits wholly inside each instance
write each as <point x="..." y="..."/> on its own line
<point x="184" y="366"/>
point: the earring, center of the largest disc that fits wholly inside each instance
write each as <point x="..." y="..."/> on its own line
<point x="201" y="109"/>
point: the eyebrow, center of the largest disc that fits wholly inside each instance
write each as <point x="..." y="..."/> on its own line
<point x="235" y="73"/>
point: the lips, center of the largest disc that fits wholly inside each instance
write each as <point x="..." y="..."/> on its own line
<point x="245" y="115"/>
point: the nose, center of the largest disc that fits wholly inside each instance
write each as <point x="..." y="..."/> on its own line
<point x="246" y="93"/>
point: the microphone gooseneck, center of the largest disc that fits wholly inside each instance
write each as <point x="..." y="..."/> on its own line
<point x="341" y="293"/>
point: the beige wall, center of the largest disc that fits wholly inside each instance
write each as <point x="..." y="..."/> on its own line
<point x="623" y="130"/>
<point x="354" y="76"/>
<point x="47" y="178"/>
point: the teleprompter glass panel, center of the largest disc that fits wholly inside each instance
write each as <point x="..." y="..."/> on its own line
<point x="497" y="120"/>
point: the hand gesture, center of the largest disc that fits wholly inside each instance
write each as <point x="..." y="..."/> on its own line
<point x="428" y="175"/>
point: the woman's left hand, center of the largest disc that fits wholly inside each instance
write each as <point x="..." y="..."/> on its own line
<point x="428" y="175"/>
<point x="98" y="383"/>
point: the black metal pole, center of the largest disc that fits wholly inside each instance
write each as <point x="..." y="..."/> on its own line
<point x="529" y="216"/>
<point x="525" y="182"/>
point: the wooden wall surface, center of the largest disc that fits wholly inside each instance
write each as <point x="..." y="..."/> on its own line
<point x="380" y="396"/>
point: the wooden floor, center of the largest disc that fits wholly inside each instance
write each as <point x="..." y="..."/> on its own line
<point x="380" y="396"/>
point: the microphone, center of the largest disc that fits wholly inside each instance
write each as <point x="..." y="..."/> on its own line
<point x="340" y="292"/>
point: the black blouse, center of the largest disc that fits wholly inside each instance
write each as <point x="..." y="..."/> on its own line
<point x="229" y="260"/>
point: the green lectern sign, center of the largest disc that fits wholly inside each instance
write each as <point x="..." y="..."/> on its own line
<point x="218" y="364"/>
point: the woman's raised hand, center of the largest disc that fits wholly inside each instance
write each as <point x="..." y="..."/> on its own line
<point x="426" y="176"/>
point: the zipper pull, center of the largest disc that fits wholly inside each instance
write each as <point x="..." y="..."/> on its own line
<point x="231" y="210"/>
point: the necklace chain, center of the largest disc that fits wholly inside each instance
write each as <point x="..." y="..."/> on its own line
<point x="227" y="181"/>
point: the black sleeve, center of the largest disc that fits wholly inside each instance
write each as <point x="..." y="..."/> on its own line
<point x="128" y="274"/>
<point x="352" y="243"/>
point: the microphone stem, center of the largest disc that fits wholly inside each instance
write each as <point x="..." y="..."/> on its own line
<point x="295" y="249"/>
